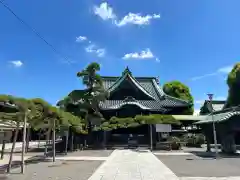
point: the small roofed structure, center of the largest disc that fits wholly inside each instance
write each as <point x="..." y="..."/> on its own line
<point x="215" y="105"/>
<point x="227" y="123"/>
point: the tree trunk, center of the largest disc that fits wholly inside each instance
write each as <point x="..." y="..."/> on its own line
<point x="24" y="143"/>
<point x="13" y="147"/>
<point x="53" y="141"/>
<point x="3" y="148"/>
<point x="28" y="138"/>
<point x="47" y="141"/>
<point x="208" y="144"/>
<point x="228" y="144"/>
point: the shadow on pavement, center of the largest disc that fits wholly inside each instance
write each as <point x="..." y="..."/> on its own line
<point x="17" y="164"/>
<point x="202" y="154"/>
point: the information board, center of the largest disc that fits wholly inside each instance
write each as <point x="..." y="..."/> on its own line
<point x="163" y="128"/>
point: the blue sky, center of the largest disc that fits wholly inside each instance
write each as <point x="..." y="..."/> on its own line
<point x="196" y="42"/>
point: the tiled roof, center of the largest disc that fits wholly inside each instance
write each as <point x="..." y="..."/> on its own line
<point x="216" y="105"/>
<point x="134" y="81"/>
<point x="149" y="86"/>
<point x="143" y="104"/>
<point x="220" y="117"/>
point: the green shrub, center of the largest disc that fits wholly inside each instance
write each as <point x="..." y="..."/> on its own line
<point x="175" y="142"/>
<point x="195" y="140"/>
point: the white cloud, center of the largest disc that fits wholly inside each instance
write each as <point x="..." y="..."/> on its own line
<point x="106" y="13"/>
<point x="100" y="52"/>
<point x="16" y="63"/>
<point x="145" y="54"/>
<point x="224" y="70"/>
<point x="81" y="38"/>
<point x="136" y="19"/>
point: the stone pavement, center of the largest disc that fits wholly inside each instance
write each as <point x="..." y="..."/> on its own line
<point x="133" y="165"/>
<point x="209" y="178"/>
<point x="15" y="158"/>
<point x="18" y="145"/>
<point x="120" y="165"/>
<point x="141" y="165"/>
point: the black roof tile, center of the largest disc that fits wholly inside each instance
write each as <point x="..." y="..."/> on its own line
<point x="150" y="85"/>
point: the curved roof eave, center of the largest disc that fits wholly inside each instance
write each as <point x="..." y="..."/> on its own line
<point x="129" y="103"/>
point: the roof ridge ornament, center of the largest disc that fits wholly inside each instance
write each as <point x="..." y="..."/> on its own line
<point x="126" y="71"/>
<point x="157" y="80"/>
<point x="129" y="98"/>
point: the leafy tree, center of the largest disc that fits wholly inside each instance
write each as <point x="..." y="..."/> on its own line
<point x="23" y="109"/>
<point x="39" y="114"/>
<point x="179" y="90"/>
<point x="233" y="82"/>
<point x="85" y="103"/>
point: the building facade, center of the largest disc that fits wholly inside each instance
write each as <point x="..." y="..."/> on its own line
<point x="131" y="96"/>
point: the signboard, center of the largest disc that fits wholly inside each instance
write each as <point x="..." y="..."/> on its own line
<point x="163" y="128"/>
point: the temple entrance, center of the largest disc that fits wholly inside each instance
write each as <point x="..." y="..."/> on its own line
<point x="120" y="136"/>
<point x="139" y="133"/>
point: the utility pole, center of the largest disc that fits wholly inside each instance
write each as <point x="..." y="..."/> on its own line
<point x="210" y="96"/>
<point x="24" y="143"/>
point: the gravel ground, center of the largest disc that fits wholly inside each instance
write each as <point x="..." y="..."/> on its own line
<point x="70" y="170"/>
<point x="194" y="166"/>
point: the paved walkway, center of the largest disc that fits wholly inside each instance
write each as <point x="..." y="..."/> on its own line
<point x="80" y="158"/>
<point x="19" y="144"/>
<point x="133" y="165"/>
<point x="15" y="158"/>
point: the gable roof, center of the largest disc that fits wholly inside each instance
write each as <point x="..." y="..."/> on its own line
<point x="220" y="116"/>
<point x="149" y="86"/>
<point x="118" y="82"/>
<point x="217" y="105"/>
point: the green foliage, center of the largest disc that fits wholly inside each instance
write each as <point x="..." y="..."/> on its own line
<point x="179" y="90"/>
<point x="21" y="106"/>
<point x="175" y="142"/>
<point x="195" y="140"/>
<point x="156" y="119"/>
<point x="89" y="75"/>
<point x="233" y="82"/>
<point x="115" y="122"/>
<point x="85" y="103"/>
<point x="204" y="110"/>
<point x="40" y="114"/>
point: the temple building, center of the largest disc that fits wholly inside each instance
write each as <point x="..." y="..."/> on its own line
<point x="131" y="96"/>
